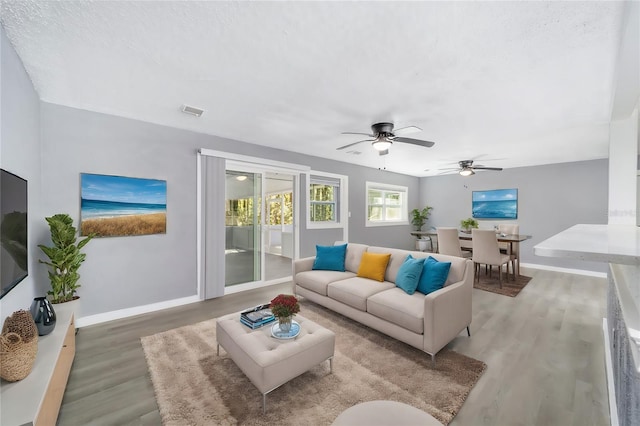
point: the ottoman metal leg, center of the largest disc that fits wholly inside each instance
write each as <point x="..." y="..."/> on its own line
<point x="331" y="365"/>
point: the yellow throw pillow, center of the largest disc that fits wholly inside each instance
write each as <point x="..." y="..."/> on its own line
<point x="373" y="265"/>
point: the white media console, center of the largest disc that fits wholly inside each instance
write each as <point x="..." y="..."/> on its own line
<point x="35" y="400"/>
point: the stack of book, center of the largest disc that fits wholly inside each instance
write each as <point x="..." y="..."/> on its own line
<point x="257" y="317"/>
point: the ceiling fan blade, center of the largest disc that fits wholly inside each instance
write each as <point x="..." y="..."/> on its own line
<point x="355" y="143"/>
<point x="418" y="142"/>
<point x="486" y="168"/>
<point x="357" y="133"/>
<point x="407" y="130"/>
<point x="450" y="169"/>
<point x="385" y="152"/>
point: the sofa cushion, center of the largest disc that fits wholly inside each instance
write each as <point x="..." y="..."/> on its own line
<point x="355" y="291"/>
<point x="398" y="307"/>
<point x="373" y="265"/>
<point x="434" y="275"/>
<point x="330" y="258"/>
<point x="397" y="259"/>
<point x="409" y="274"/>
<point x="458" y="266"/>
<point x="354" y="254"/>
<point x="317" y="281"/>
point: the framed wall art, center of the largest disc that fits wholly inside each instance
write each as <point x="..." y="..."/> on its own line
<point x="112" y="206"/>
<point x="495" y="204"/>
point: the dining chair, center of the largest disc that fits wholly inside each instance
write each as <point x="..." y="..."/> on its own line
<point x="449" y="243"/>
<point x="487" y="252"/>
<point x="512" y="249"/>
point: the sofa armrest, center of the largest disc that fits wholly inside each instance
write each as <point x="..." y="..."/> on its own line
<point x="447" y="312"/>
<point x="304" y="264"/>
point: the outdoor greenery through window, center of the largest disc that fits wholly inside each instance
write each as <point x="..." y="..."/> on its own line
<point x="280" y="207"/>
<point x="239" y="212"/>
<point x="324" y="194"/>
<point x="280" y="210"/>
<point x="386" y="204"/>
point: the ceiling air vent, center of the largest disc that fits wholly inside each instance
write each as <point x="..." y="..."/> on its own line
<point x="192" y="110"/>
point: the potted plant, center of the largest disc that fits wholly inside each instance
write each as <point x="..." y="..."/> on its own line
<point x="467" y="224"/>
<point x="64" y="258"/>
<point x="419" y="217"/>
<point x="284" y="307"/>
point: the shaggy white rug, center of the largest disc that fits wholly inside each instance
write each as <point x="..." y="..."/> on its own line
<point x="194" y="386"/>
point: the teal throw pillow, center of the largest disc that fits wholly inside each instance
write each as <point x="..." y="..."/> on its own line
<point x="330" y="258"/>
<point x="409" y="274"/>
<point x="434" y="275"/>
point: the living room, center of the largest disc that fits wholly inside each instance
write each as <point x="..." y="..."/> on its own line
<point x="50" y="144"/>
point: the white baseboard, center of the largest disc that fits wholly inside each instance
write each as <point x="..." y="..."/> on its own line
<point x="613" y="407"/>
<point x="250" y="286"/>
<point x="565" y="270"/>
<point x="137" y="310"/>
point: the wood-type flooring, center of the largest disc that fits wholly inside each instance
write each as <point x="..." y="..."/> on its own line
<point x="544" y="350"/>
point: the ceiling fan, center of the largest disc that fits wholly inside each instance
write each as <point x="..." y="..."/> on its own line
<point x="467" y="168"/>
<point x="384" y="136"/>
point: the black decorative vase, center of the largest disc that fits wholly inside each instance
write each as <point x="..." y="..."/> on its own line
<point x="43" y="315"/>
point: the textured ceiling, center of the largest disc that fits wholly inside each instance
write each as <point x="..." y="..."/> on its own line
<point x="524" y="82"/>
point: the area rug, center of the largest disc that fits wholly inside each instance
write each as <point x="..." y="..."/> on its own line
<point x="194" y="386"/>
<point x="509" y="288"/>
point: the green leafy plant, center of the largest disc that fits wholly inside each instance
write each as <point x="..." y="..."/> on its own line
<point x="468" y="223"/>
<point x="419" y="217"/>
<point x="64" y="258"/>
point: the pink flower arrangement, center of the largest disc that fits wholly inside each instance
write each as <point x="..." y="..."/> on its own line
<point x="285" y="305"/>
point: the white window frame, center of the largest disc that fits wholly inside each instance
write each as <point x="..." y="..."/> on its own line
<point x="404" y="200"/>
<point x="342" y="204"/>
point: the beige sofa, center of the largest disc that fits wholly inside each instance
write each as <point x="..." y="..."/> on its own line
<point x="427" y="322"/>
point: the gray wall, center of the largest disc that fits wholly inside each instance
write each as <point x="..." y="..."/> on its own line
<point x="20" y="154"/>
<point x="551" y="198"/>
<point x="125" y="272"/>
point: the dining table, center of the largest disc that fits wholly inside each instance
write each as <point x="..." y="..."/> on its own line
<point x="511" y="239"/>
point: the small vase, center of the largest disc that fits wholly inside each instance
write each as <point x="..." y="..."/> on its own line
<point x="285" y="323"/>
<point x="43" y="315"/>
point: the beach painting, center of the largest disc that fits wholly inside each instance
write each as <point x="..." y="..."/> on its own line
<point x="114" y="206"/>
<point x="495" y="204"/>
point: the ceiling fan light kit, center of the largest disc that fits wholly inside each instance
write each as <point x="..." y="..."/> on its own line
<point x="381" y="145"/>
<point x="467" y="171"/>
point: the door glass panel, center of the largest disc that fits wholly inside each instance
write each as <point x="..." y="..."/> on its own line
<point x="278" y="227"/>
<point x="242" y="226"/>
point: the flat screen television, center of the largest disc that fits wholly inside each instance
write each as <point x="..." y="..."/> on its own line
<point x="495" y="204"/>
<point x="13" y="231"/>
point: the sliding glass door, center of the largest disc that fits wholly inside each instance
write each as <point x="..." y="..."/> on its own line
<point x="243" y="227"/>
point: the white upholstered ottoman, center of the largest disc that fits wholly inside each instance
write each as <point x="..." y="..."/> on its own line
<point x="269" y="362"/>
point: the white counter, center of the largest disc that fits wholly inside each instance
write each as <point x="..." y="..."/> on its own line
<point x="600" y="243"/>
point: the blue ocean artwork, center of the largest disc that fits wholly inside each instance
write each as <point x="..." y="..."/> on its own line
<point x="495" y="204"/>
<point x="104" y="196"/>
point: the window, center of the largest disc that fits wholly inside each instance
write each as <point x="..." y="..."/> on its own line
<point x="386" y="204"/>
<point x="326" y="195"/>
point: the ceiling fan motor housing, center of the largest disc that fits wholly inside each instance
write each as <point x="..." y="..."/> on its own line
<point x="382" y="128"/>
